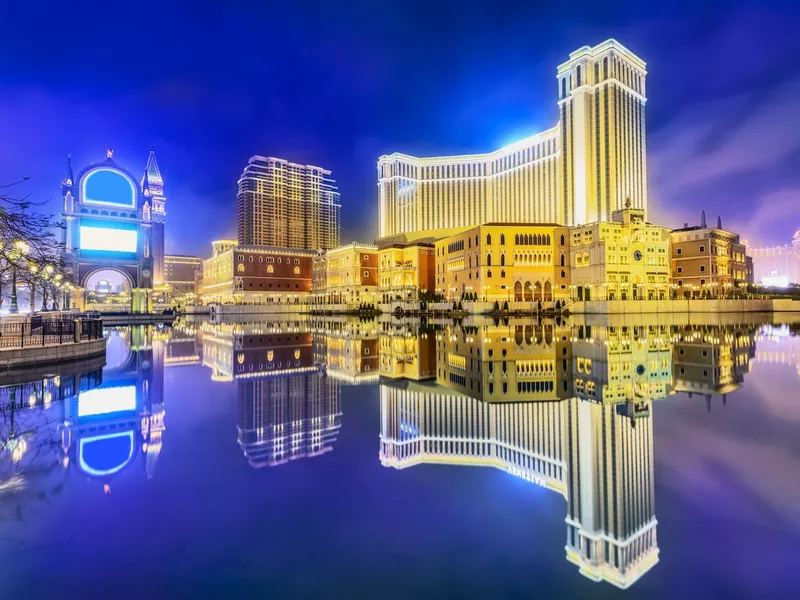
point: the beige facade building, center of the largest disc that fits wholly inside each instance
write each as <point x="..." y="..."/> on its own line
<point x="287" y="205"/>
<point x="347" y="275"/>
<point x="623" y="259"/>
<point x="577" y="172"/>
<point x="505" y="262"/>
<point x="707" y="260"/>
<point x="405" y="271"/>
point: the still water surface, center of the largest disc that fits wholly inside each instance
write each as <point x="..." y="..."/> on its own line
<point x="345" y="458"/>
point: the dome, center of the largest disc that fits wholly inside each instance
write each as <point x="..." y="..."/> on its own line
<point x="796" y="237"/>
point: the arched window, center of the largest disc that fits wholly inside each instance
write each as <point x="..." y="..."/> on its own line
<point x="297" y="270"/>
<point x="476" y="240"/>
<point x="516" y="239"/>
<point x="502" y="239"/>
<point x="547" y="239"/>
<point x="240" y="268"/>
<point x="578" y="73"/>
<point x="502" y="260"/>
<point x="563" y="273"/>
<point x="562" y="260"/>
<point x="488" y="260"/>
<point x="488" y="238"/>
<point x="270" y="269"/>
<point x="564" y="87"/>
<point x="562" y="239"/>
<point x="605" y="68"/>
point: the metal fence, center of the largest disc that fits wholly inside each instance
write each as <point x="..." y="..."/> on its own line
<point x="43" y="332"/>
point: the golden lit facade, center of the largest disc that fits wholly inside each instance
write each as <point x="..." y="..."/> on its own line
<point x="707" y="260"/>
<point x="505" y="262"/>
<point x="283" y="204"/>
<point x="505" y="363"/>
<point x="258" y="275"/>
<point x="623" y="259"/>
<point x="577" y="172"/>
<point x="407" y="352"/>
<point x="712" y="360"/>
<point x="405" y="270"/>
<point x="350" y="275"/>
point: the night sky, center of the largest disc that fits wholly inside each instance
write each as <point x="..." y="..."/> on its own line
<point x="337" y="84"/>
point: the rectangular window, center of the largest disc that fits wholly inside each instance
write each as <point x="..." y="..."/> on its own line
<point x="679" y="251"/>
<point x="702" y="248"/>
<point x="680" y="269"/>
<point x="702" y="268"/>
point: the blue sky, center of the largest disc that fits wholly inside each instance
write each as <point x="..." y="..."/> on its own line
<point x="339" y="83"/>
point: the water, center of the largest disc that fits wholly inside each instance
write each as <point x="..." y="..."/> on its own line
<point x="343" y="458"/>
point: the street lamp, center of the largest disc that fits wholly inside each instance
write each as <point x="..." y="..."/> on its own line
<point x="19" y="249"/>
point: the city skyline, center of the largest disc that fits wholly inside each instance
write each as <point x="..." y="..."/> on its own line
<point x="725" y="142"/>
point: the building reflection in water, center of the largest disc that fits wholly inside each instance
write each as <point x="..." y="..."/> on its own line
<point x="566" y="406"/>
<point x="287" y="407"/>
<point x="106" y="428"/>
<point x="96" y="419"/>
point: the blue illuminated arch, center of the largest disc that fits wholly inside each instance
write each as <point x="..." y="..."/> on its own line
<point x="104" y="455"/>
<point x="109" y="187"/>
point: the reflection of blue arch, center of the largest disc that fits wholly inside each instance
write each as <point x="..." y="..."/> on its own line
<point x="108" y="186"/>
<point x="104" y="455"/>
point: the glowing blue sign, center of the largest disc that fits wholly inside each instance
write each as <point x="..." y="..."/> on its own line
<point x="103" y="455"/>
<point x="103" y="401"/>
<point x="108" y="237"/>
<point x="109" y="186"/>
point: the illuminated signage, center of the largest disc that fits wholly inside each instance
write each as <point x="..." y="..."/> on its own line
<point x="103" y="401"/>
<point x="110" y="187"/>
<point x="108" y="237"/>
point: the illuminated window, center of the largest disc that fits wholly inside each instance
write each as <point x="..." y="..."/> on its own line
<point x="240" y="268"/>
<point x="270" y="269"/>
<point x="297" y="270"/>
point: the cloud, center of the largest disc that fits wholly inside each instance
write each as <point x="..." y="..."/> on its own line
<point x="731" y="154"/>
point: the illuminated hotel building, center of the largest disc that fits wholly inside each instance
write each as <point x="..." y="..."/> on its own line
<point x="577" y="172"/>
<point x="778" y="265"/>
<point x="286" y="205"/>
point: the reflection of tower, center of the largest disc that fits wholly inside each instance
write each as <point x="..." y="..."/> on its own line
<point x="611" y="524"/>
<point x="107" y="426"/>
<point x="287" y="417"/>
<point x="596" y="449"/>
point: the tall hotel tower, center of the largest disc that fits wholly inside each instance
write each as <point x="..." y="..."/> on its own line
<point x="286" y="205"/>
<point x="577" y="172"/>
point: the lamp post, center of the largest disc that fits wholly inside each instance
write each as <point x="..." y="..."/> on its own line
<point x="19" y="249"/>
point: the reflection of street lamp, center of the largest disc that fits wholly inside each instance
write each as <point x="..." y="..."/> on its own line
<point x="19" y="249"/>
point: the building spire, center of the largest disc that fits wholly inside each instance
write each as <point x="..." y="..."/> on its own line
<point x="152" y="174"/>
<point x="719" y="222"/>
<point x="70" y="177"/>
<point x="703" y="220"/>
